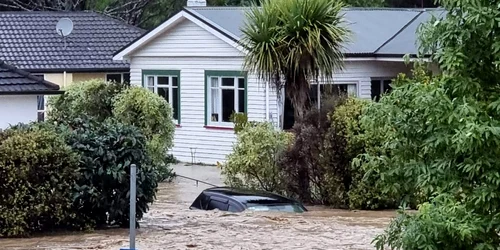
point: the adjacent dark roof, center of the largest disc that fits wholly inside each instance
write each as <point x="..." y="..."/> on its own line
<point x="376" y="31"/>
<point x="14" y="81"/>
<point x="28" y="40"/>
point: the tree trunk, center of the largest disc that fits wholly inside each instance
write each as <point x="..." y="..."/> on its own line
<point x="297" y="89"/>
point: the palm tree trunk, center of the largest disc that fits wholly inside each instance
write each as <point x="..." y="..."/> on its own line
<point x="298" y="91"/>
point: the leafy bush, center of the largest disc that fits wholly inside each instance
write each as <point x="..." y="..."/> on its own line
<point x="365" y="191"/>
<point x="240" y="121"/>
<point x="107" y="150"/>
<point x="153" y="116"/>
<point x="444" y="223"/>
<point x="254" y="160"/>
<point x="315" y="167"/>
<point x="38" y="172"/>
<point x="93" y="98"/>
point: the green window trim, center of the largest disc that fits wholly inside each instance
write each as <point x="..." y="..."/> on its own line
<point x="166" y="73"/>
<point x="222" y="73"/>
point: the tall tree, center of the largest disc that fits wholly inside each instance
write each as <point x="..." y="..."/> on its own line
<point x="292" y="42"/>
<point x="443" y="134"/>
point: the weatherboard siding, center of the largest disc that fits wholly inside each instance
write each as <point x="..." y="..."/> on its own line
<point x="187" y="39"/>
<point x="193" y="50"/>
<point x="211" y="144"/>
<point x="17" y="109"/>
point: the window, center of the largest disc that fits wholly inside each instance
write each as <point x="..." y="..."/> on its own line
<point x="350" y="89"/>
<point x="218" y="204"/>
<point x="225" y="94"/>
<point x="118" y="77"/>
<point x="166" y="84"/>
<point x="379" y="87"/>
<point x="40" y="102"/>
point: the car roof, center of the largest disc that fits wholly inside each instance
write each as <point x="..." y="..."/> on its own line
<point x="248" y="196"/>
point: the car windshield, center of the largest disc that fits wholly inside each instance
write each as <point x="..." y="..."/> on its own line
<point x="295" y="208"/>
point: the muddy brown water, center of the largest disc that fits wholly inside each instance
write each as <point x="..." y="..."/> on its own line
<point x="171" y="225"/>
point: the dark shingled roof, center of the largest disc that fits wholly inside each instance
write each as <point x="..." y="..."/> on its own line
<point x="376" y="31"/>
<point x="14" y="81"/>
<point x="28" y="40"/>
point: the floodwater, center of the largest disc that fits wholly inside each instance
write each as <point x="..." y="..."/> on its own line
<point x="171" y="225"/>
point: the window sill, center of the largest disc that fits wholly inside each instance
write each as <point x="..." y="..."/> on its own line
<point x="219" y="128"/>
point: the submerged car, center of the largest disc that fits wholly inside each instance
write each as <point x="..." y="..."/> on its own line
<point x="238" y="200"/>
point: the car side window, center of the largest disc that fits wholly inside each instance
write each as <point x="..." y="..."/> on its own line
<point x="233" y="208"/>
<point x="216" y="204"/>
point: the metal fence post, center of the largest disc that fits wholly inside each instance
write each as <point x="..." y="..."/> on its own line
<point x="133" y="183"/>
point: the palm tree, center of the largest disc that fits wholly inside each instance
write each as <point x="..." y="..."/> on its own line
<point x="290" y="43"/>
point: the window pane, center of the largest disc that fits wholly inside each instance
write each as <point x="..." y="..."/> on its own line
<point x="387" y="86"/>
<point x="340" y="89"/>
<point x="163" y="92"/>
<point x="227" y="104"/>
<point x="241" y="101"/>
<point x="41" y="116"/>
<point x="40" y="102"/>
<point x="375" y="87"/>
<point x="126" y="77"/>
<point x="162" y="80"/>
<point x="215" y="100"/>
<point x="175" y="102"/>
<point x="241" y="83"/>
<point x="228" y="81"/>
<point x="114" y="78"/>
<point x="352" y="90"/>
<point x="175" y="81"/>
<point x="214" y="82"/>
<point x="150" y="81"/>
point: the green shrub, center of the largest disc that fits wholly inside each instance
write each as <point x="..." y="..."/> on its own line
<point x="107" y="150"/>
<point x="444" y="223"/>
<point x="240" y="121"/>
<point x="153" y="116"/>
<point x="364" y="191"/>
<point x="315" y="167"/>
<point x="93" y="98"/>
<point x="38" y="172"/>
<point x="254" y="161"/>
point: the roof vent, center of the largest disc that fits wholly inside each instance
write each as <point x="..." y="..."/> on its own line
<point x="196" y="3"/>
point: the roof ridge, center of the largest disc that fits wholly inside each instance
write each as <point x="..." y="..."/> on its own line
<point x="398" y="32"/>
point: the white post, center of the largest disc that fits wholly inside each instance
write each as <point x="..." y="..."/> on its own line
<point x="267" y="102"/>
<point x="319" y="95"/>
<point x="133" y="183"/>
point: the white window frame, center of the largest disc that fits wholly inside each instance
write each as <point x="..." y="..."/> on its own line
<point x="170" y="87"/>
<point x="122" y="78"/>
<point x="237" y="97"/>
<point x="38" y="110"/>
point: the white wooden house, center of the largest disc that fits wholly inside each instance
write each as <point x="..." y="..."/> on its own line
<point x="195" y="61"/>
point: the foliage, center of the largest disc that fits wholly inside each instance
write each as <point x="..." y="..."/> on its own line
<point x="153" y="116"/>
<point x="240" y="121"/>
<point x="362" y="193"/>
<point x="445" y="223"/>
<point x="107" y="150"/>
<point x="291" y="42"/>
<point x="444" y="134"/>
<point x="92" y="98"/>
<point x="254" y="160"/>
<point x="37" y="176"/>
<point x="311" y="174"/>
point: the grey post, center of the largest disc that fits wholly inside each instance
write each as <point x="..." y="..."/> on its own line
<point x="133" y="183"/>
